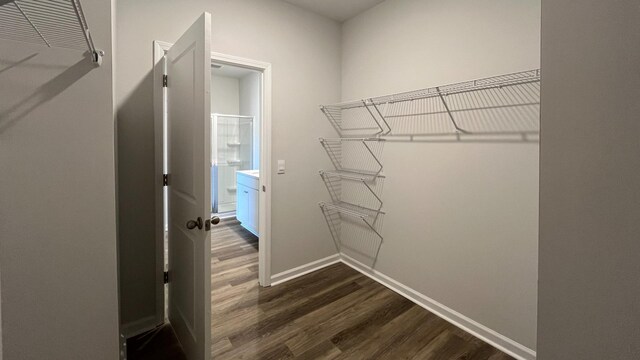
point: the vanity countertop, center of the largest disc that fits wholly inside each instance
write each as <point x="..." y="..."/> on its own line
<point x="255" y="174"/>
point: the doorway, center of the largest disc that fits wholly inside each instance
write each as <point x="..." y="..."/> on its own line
<point x="258" y="108"/>
<point x="252" y="130"/>
<point x="235" y="146"/>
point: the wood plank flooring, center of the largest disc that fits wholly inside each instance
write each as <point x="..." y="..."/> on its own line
<point x="333" y="313"/>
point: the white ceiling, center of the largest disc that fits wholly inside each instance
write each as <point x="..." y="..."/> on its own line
<point x="339" y="10"/>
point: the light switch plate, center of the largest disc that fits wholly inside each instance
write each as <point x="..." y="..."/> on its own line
<point x="281" y="166"/>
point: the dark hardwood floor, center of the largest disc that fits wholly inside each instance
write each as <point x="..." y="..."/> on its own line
<point x="333" y="313"/>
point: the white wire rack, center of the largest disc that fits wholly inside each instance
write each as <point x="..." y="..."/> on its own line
<point x="353" y="226"/>
<point x="361" y="191"/>
<point x="54" y="23"/>
<point x="355" y="155"/>
<point x="498" y="105"/>
<point x="356" y="118"/>
<point x="355" y="214"/>
<point x="504" y="104"/>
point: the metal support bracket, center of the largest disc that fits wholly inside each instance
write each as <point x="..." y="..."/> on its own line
<point x="446" y="106"/>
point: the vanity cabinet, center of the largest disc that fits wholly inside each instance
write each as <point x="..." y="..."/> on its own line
<point x="247" y="210"/>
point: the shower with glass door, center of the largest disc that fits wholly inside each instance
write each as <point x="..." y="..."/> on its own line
<point x="231" y="151"/>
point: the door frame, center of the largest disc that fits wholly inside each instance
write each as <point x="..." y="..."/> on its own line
<point x="264" y="241"/>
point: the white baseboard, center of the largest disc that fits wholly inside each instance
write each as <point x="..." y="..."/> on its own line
<point x="457" y="319"/>
<point x="304" y="269"/>
<point x="139" y="326"/>
<point x="472" y="327"/>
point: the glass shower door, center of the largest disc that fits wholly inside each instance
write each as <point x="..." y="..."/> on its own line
<point x="232" y="150"/>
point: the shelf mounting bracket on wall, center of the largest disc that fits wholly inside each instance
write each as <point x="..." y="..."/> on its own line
<point x="446" y="107"/>
<point x="53" y="23"/>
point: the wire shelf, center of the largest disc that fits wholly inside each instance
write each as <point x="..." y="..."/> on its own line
<point x="355" y="155"/>
<point x="361" y="191"/>
<point x="356" y="118"/>
<point x="354" y="227"/>
<point x="54" y="23"/>
<point x="504" y="104"/>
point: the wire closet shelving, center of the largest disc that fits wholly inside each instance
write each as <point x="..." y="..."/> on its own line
<point x="356" y="118"/>
<point x="355" y="155"/>
<point x="54" y="23"/>
<point x="506" y="104"/>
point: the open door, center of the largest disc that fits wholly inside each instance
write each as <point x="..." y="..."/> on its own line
<point x="188" y="63"/>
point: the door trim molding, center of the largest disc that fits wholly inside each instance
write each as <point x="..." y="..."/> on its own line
<point x="159" y="49"/>
<point x="264" y="245"/>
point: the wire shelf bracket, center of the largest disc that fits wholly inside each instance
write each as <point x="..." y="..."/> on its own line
<point x="53" y="23"/>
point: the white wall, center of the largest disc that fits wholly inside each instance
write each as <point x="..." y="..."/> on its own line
<point x="57" y="199"/>
<point x="225" y="94"/>
<point x="589" y="303"/>
<point x="462" y="218"/>
<point x="250" y="96"/>
<point x="225" y="99"/>
<point x="304" y="50"/>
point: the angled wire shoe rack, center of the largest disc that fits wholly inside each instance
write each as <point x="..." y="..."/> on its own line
<point x="354" y="227"/>
<point x="360" y="191"/>
<point x="355" y="185"/>
<point x="54" y="23"/>
<point x="356" y="118"/>
<point x="355" y="155"/>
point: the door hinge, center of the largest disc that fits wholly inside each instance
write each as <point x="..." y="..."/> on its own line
<point x="165" y="80"/>
<point x="166" y="277"/>
<point x="165" y="179"/>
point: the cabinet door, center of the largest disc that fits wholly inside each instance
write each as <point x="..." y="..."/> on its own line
<point x="242" y="210"/>
<point x="253" y="210"/>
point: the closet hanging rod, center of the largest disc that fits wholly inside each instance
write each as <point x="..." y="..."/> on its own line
<point x="54" y="23"/>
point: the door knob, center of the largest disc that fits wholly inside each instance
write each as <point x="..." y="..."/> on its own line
<point x="192" y="224"/>
<point x="214" y="220"/>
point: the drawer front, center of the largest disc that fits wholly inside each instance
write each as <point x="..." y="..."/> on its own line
<point x="247" y="181"/>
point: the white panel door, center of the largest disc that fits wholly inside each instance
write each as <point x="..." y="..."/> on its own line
<point x="189" y="161"/>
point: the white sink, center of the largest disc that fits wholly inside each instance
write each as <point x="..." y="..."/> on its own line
<point x="251" y="173"/>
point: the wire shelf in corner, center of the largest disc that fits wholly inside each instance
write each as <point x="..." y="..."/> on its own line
<point x="355" y="155"/>
<point x="356" y="118"/>
<point x="371" y="218"/>
<point x="357" y="190"/>
<point x="354" y="228"/>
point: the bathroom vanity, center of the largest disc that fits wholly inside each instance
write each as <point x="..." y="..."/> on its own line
<point x="247" y="208"/>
